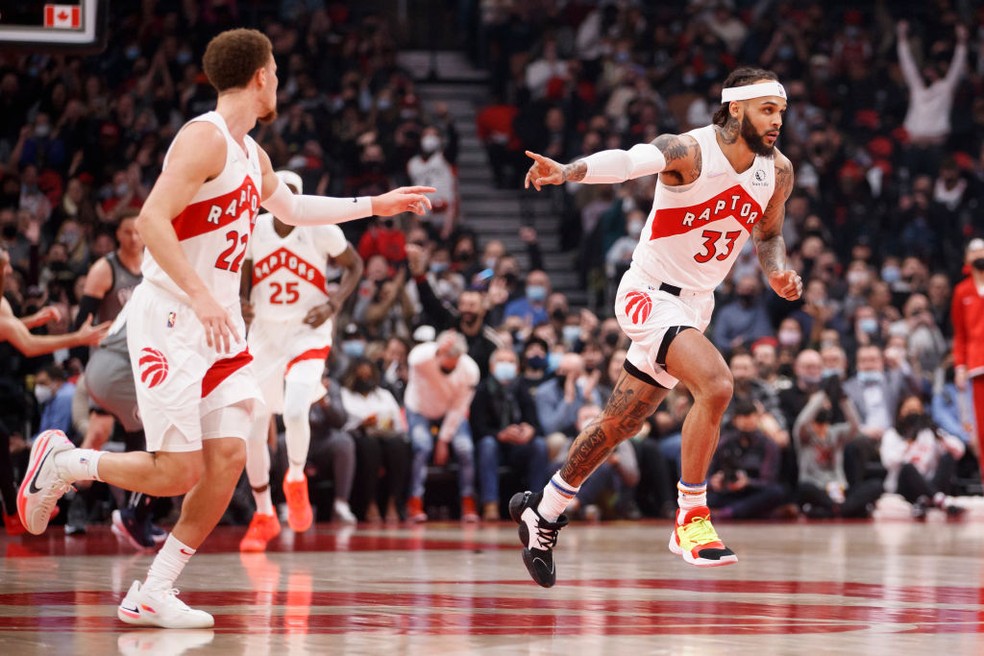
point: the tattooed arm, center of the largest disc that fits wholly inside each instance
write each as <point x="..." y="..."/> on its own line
<point x="767" y="235"/>
<point x="677" y="156"/>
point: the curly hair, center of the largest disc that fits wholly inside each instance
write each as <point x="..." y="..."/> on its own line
<point x="738" y="78"/>
<point x="233" y="57"/>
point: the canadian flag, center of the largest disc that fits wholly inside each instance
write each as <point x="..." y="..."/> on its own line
<point x="67" y="17"/>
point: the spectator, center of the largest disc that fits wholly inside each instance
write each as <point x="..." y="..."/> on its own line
<point x="745" y="479"/>
<point x="744" y="319"/>
<point x="823" y="490"/>
<point x="54" y="393"/>
<point x="504" y="423"/>
<point x="530" y="310"/>
<point x="430" y="168"/>
<point x="383" y="238"/>
<point x="559" y="399"/>
<point x="439" y="393"/>
<point x="920" y="460"/>
<point x="381" y="443"/>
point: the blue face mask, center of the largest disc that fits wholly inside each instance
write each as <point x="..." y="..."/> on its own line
<point x="536" y="293"/>
<point x="553" y="360"/>
<point x="827" y="373"/>
<point x="438" y="267"/>
<point x="891" y="274"/>
<point x="571" y="333"/>
<point x="870" y="376"/>
<point x="353" y="348"/>
<point x="868" y="325"/>
<point x="504" y="372"/>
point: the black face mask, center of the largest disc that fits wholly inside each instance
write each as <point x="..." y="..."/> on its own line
<point x="558" y="315"/>
<point x="611" y="339"/>
<point x="537" y="363"/>
<point x="978" y="264"/>
<point x="363" y="386"/>
<point x="10" y="231"/>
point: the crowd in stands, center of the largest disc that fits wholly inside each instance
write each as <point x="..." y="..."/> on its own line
<point x="841" y="396"/>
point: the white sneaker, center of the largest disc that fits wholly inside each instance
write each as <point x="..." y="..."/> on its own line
<point x="172" y="642"/>
<point x="164" y="609"/>
<point x="343" y="513"/>
<point x="43" y="485"/>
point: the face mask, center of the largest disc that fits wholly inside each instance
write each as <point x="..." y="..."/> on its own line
<point x="363" y="386"/>
<point x="132" y="52"/>
<point x="490" y="263"/>
<point x="830" y="372"/>
<point x="746" y="299"/>
<point x="42" y="130"/>
<point x="536" y="292"/>
<point x="891" y="274"/>
<point x="504" y="372"/>
<point x="553" y="361"/>
<point x="430" y="143"/>
<point x="537" y="363"/>
<point x="870" y="376"/>
<point x="611" y="339"/>
<point x="635" y="229"/>
<point x="571" y="333"/>
<point x="558" y="315"/>
<point x="122" y="189"/>
<point x="353" y="348"/>
<point x="978" y="264"/>
<point x="857" y="278"/>
<point x="810" y="381"/>
<point x="70" y="239"/>
<point x="183" y="57"/>
<point x="383" y="105"/>
<point x="438" y="267"/>
<point x="868" y="325"/>
<point x="789" y="337"/>
<point x="43" y="393"/>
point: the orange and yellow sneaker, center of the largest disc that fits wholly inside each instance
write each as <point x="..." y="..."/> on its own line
<point x="262" y="529"/>
<point x="696" y="540"/>
<point x="299" y="514"/>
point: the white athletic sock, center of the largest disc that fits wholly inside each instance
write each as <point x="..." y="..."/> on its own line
<point x="690" y="496"/>
<point x="264" y="502"/>
<point x="297" y="426"/>
<point x="79" y="464"/>
<point x="167" y="565"/>
<point x="557" y="495"/>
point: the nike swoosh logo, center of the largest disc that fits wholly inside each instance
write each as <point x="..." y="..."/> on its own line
<point x="187" y="553"/>
<point x="129" y="609"/>
<point x="544" y="563"/>
<point x="32" y="488"/>
<point x="355" y="200"/>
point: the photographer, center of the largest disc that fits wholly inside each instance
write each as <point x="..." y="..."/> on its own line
<point x="921" y="460"/>
<point x="823" y="490"/>
<point x="745" y="483"/>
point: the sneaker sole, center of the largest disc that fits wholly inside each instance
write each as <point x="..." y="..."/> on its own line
<point x="36" y="458"/>
<point x="699" y="562"/>
<point x="119" y="530"/>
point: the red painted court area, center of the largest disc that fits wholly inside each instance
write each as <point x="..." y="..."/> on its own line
<point x="884" y="586"/>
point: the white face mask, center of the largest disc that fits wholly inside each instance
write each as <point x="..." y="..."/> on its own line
<point x="430" y="143"/>
<point x="43" y="393"/>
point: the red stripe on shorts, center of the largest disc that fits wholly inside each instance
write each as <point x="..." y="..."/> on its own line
<point x="310" y="354"/>
<point x="222" y="369"/>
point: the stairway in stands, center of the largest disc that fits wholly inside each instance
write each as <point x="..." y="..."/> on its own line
<point x="493" y="213"/>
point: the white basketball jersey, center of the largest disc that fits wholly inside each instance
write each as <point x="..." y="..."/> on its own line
<point x="695" y="232"/>
<point x="289" y="272"/>
<point x="214" y="228"/>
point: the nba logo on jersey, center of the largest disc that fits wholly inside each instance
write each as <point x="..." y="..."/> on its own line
<point x="171" y="318"/>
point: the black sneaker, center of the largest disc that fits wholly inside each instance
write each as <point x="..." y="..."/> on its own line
<point x="127" y="527"/>
<point x="538" y="536"/>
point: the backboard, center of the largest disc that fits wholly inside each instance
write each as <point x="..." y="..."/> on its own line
<point x="62" y="26"/>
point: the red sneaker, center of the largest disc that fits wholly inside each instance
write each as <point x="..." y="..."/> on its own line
<point x="469" y="513"/>
<point x="299" y="514"/>
<point x="415" y="510"/>
<point x="262" y="529"/>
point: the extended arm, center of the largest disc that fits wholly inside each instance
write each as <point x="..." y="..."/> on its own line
<point x="767" y="236"/>
<point x="14" y="331"/>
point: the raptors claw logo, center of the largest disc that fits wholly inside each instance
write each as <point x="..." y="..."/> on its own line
<point x="153" y="367"/>
<point x="638" y="305"/>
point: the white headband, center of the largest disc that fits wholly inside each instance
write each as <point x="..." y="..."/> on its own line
<point x="749" y="91"/>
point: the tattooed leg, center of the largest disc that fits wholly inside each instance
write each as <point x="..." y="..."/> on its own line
<point x="630" y="404"/>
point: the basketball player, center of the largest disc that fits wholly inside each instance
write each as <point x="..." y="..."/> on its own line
<point x="18" y="333"/>
<point x="717" y="186"/>
<point x="290" y="337"/>
<point x="108" y="286"/>
<point x="195" y="388"/>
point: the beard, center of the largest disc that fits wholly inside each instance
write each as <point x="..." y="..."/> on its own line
<point x="756" y="142"/>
